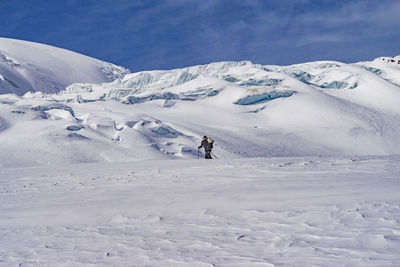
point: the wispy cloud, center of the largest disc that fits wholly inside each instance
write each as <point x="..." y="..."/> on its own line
<point x="148" y="34"/>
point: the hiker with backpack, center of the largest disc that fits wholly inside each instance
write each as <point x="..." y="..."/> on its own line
<point x="207" y="143"/>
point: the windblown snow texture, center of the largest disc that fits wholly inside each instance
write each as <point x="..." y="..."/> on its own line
<point x="312" y="211"/>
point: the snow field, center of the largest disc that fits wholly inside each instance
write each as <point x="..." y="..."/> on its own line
<point x="314" y="211"/>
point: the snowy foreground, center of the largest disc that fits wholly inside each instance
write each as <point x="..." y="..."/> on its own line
<point x="313" y="211"/>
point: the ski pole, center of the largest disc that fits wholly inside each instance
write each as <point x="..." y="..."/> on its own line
<point x="198" y="154"/>
<point x="214" y="155"/>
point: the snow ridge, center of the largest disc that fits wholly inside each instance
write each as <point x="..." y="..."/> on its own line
<point x="27" y="66"/>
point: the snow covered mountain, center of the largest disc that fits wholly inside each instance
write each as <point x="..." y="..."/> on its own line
<point x="306" y="201"/>
<point x="251" y="110"/>
<point x="27" y="66"/>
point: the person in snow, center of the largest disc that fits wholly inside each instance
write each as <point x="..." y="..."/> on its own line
<point x="207" y="143"/>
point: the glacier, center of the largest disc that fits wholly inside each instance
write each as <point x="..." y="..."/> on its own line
<point x="251" y="110"/>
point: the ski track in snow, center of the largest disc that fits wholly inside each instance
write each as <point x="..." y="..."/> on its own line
<point x="315" y="211"/>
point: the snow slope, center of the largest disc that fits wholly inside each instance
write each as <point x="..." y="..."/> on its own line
<point x="251" y="110"/>
<point x="311" y="211"/>
<point x="27" y="66"/>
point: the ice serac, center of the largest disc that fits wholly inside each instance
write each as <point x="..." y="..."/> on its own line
<point x="356" y="82"/>
<point x="187" y="84"/>
<point x="27" y="66"/>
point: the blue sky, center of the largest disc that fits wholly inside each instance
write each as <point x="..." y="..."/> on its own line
<point x="166" y="34"/>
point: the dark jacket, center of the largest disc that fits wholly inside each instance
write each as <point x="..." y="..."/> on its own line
<point x="207" y="146"/>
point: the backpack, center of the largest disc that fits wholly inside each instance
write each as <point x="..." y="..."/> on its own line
<point x="210" y="142"/>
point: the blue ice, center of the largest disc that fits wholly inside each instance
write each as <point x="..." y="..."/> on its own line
<point x="266" y="81"/>
<point x="335" y="85"/>
<point x="74" y="128"/>
<point x="230" y="79"/>
<point x="302" y="76"/>
<point x="258" y="98"/>
<point x="185" y="77"/>
<point x="373" y="70"/>
<point x="164" y="131"/>
<point x="166" y="96"/>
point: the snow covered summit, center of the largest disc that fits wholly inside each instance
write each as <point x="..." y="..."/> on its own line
<point x="27" y="66"/>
